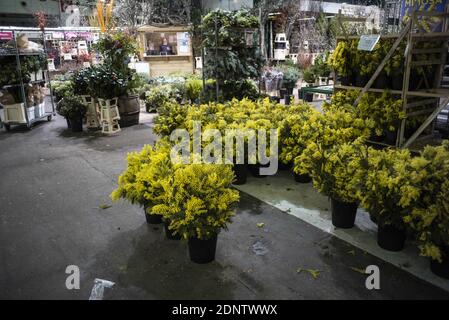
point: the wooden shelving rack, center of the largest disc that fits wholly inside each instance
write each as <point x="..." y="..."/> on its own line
<point x="428" y="100"/>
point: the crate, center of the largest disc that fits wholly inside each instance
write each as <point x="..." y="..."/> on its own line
<point x="39" y="110"/>
<point x="15" y="113"/>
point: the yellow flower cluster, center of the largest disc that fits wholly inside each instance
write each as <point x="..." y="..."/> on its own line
<point x="195" y="198"/>
<point x="199" y="201"/>
<point x="429" y="218"/>
<point x="383" y="109"/>
<point x="143" y="180"/>
<point x="339" y="59"/>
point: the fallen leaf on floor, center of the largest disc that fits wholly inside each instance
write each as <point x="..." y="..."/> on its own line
<point x="261" y="225"/>
<point x="104" y="206"/>
<point x="289" y="189"/>
<point x="268" y="184"/>
<point x="359" y="270"/>
<point x="313" y="272"/>
<point x="351" y="252"/>
<point x="288" y="210"/>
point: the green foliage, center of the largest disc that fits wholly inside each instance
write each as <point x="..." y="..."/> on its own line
<point x="156" y="97"/>
<point x="339" y="60"/>
<point x="229" y="27"/>
<point x="63" y="89"/>
<point x="116" y="47"/>
<point x="106" y="83"/>
<point x="29" y="65"/>
<point x="81" y="80"/>
<point x="321" y="67"/>
<point x="71" y="107"/>
<point x="309" y="76"/>
<point x="291" y="75"/>
<point x="228" y="59"/>
<point x="193" y="89"/>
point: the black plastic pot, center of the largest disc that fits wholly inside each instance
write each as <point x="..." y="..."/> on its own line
<point x="344" y="80"/>
<point x="374" y="137"/>
<point x="169" y="233"/>
<point x="343" y="214"/>
<point x="255" y="169"/>
<point x="361" y="81"/>
<point x="381" y="81"/>
<point x="308" y="97"/>
<point x="302" y="178"/>
<point x="413" y="82"/>
<point x="287" y="99"/>
<point x="396" y="81"/>
<point x="202" y="251"/>
<point x="441" y="269"/>
<point x="390" y="237"/>
<point x="391" y="136"/>
<point x="69" y="126"/>
<point x="284" y="166"/>
<point x="76" y="124"/>
<point x="241" y="173"/>
<point x="282" y="93"/>
<point x="153" y="218"/>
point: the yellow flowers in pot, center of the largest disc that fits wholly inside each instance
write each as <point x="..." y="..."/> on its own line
<point x="295" y="131"/>
<point x="392" y="185"/>
<point x="198" y="200"/>
<point x="339" y="59"/>
<point x="171" y="116"/>
<point x="429" y="218"/>
<point x="143" y="180"/>
<point x="383" y="109"/>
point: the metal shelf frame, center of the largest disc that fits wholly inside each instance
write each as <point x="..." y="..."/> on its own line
<point x="18" y="54"/>
<point x="438" y="97"/>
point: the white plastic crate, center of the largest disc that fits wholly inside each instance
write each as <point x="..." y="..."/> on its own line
<point x="39" y="110"/>
<point x="14" y="113"/>
<point x="31" y="115"/>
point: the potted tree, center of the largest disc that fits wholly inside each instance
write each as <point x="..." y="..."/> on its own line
<point x="330" y="158"/>
<point x="116" y="49"/>
<point x="290" y="77"/>
<point x="390" y="189"/>
<point x="429" y="219"/>
<point x="335" y="173"/>
<point x="309" y="78"/>
<point x="199" y="204"/>
<point x="156" y="97"/>
<point x="106" y="85"/>
<point x="339" y="61"/>
<point x="295" y="134"/>
<point x="74" y="110"/>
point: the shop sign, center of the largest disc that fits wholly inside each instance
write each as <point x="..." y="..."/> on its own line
<point x="368" y="42"/>
<point x="7" y="35"/>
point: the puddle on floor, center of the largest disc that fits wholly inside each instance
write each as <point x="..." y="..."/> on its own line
<point x="303" y="202"/>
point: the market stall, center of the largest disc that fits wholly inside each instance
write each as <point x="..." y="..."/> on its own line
<point x="166" y="49"/>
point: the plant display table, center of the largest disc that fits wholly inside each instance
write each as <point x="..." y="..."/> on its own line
<point x="327" y="90"/>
